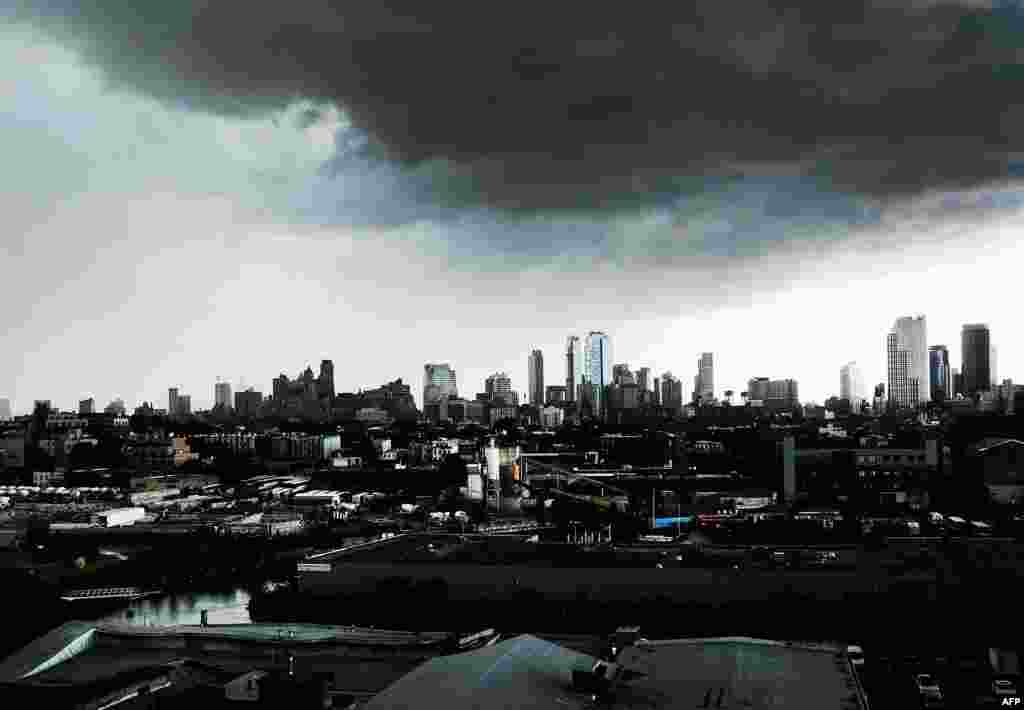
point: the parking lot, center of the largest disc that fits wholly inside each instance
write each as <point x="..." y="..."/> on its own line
<point x="965" y="678"/>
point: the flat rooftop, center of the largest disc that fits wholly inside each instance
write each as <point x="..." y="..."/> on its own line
<point x="730" y="673"/>
<point x="744" y="673"/>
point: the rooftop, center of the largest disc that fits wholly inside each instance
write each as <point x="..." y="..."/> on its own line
<point x="722" y="673"/>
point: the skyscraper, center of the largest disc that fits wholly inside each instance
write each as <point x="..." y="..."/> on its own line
<point x="325" y="383"/>
<point x="704" y="382"/>
<point x="438" y="383"/>
<point x="87" y="406"/>
<point x="783" y="394"/>
<point x="851" y="385"/>
<point x="622" y="375"/>
<point x="671" y="392"/>
<point x="535" y="377"/>
<point x="958" y="382"/>
<point x="222" y="395"/>
<point x="939" y="372"/>
<point x="172" y="401"/>
<point x="573" y="368"/>
<point x="643" y="379"/>
<point x="597" y="369"/>
<point x="757" y="389"/>
<point x="185" y="405"/>
<point x="993" y="371"/>
<point x="499" y="389"/>
<point x="5" y="409"/>
<point x="907" y="360"/>
<point x="976" y="351"/>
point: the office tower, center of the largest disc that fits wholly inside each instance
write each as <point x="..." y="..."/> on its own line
<point x="247" y="404"/>
<point x="222" y="395"/>
<point x="671" y="391"/>
<point x="976" y="351"/>
<point x="957" y="381"/>
<point x="643" y="379"/>
<point x="939" y="372"/>
<point x="851" y="385"/>
<point x="597" y="369"/>
<point x="622" y="375"/>
<point x="555" y="394"/>
<point x="173" y="400"/>
<point x="782" y="394"/>
<point x="757" y="389"/>
<point x="5" y="409"/>
<point x="992" y="370"/>
<point x="185" y="405"/>
<point x="438" y="383"/>
<point x="907" y="360"/>
<point x="535" y="377"/>
<point x="878" y="403"/>
<point x="704" y="382"/>
<point x="116" y="407"/>
<point x="325" y="383"/>
<point x="87" y="406"/>
<point x="657" y="391"/>
<point x="499" y="389"/>
<point x="573" y="368"/>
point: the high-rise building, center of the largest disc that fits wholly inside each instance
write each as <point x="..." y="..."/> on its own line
<point x="185" y="405"/>
<point x="499" y="389"/>
<point x="116" y="407"/>
<point x="325" y="383"/>
<point x="657" y="391"/>
<point x="643" y="379"/>
<point x="957" y="381"/>
<point x="976" y="351"/>
<point x="851" y="385"/>
<point x="704" y="382"/>
<point x="597" y="369"/>
<point x="573" y="368"/>
<point x="535" y="377"/>
<point x="622" y="375"/>
<point x="5" y="409"/>
<point x="173" y="401"/>
<point x="87" y="406"/>
<point x="671" y="392"/>
<point x="757" y="389"/>
<point x="939" y="372"/>
<point x="907" y="360"/>
<point x="555" y="394"/>
<point x="878" y="403"/>
<point x="222" y="395"/>
<point x="248" y="403"/>
<point x="782" y="394"/>
<point x="438" y="383"/>
<point x="992" y="370"/>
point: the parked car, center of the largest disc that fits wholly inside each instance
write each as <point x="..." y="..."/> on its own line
<point x="1003" y="688"/>
<point x="928" y="688"/>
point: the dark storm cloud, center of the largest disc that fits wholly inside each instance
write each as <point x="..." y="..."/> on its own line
<point x="555" y="105"/>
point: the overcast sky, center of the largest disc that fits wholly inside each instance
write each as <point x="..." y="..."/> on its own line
<point x="385" y="189"/>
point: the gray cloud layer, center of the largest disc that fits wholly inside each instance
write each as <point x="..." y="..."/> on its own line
<point x="547" y="105"/>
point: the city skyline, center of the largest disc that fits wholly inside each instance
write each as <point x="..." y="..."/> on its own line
<point x="195" y="223"/>
<point x="202" y="403"/>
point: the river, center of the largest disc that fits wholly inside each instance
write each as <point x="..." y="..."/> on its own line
<point x="229" y="606"/>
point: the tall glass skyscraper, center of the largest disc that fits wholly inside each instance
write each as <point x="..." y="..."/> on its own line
<point x="976" y="351"/>
<point x="597" y="368"/>
<point x="907" y="360"/>
<point x="535" y="376"/>
<point x="939" y="372"/>
<point x="573" y="368"/>
<point x="704" y="382"/>
<point x="851" y="385"/>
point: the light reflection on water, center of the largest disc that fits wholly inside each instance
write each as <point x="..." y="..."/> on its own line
<point x="226" y="607"/>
